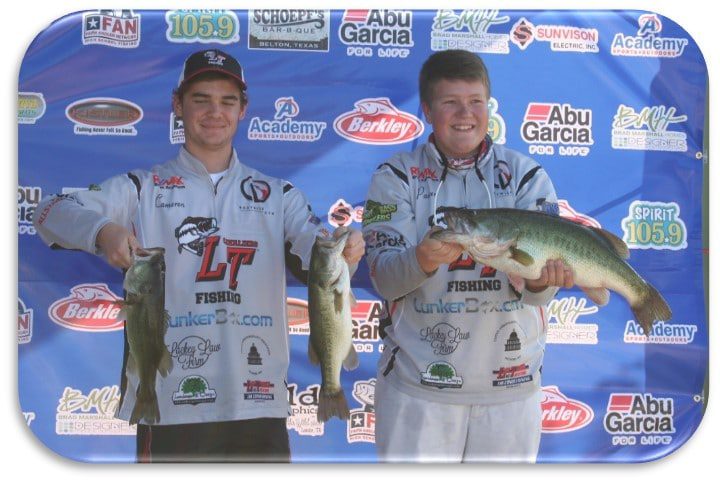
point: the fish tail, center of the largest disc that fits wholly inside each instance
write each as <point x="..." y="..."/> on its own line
<point x="652" y="307"/>
<point x="332" y="404"/>
<point x="146" y="407"/>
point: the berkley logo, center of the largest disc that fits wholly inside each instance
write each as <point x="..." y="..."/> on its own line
<point x="378" y="121"/>
<point x="89" y="308"/>
<point x="104" y="112"/>
<point x="561" y="414"/>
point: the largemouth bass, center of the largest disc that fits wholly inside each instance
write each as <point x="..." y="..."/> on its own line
<point x="329" y="303"/>
<point x="520" y="242"/>
<point x="146" y="322"/>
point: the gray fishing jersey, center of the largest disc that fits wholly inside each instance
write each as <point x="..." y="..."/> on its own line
<point x="463" y="334"/>
<point x="225" y="253"/>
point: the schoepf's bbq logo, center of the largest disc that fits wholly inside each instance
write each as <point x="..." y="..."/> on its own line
<point x="639" y="419"/>
<point x="104" y="116"/>
<point x="307" y="30"/>
<point x="560" y="414"/>
<point x="648" y="42"/>
<point x="387" y="31"/>
<point x="114" y="28"/>
<point x="378" y="121"/>
<point x="90" y="308"/>
<point x="547" y="125"/>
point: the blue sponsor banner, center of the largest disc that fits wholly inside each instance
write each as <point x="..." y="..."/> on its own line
<point x="611" y="104"/>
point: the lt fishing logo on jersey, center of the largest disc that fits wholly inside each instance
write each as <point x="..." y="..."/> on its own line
<point x="647" y="42"/>
<point x="469" y="30"/>
<point x="283" y="126"/>
<point x="114" y="28"/>
<point x="647" y="129"/>
<point x="385" y="33"/>
<point x="306" y="30"/>
<point x="631" y="415"/>
<point x="562" y="38"/>
<point x="548" y="126"/>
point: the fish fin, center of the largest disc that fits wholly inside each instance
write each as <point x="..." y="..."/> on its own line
<point x="166" y="316"/>
<point x="338" y="301"/>
<point x="353" y="300"/>
<point x="146" y="407"/>
<point x="166" y="364"/>
<point x="332" y="404"/>
<point x="523" y="258"/>
<point x="351" y="360"/>
<point x="312" y="355"/>
<point x="517" y="282"/>
<point x="615" y="242"/>
<point x="131" y="366"/>
<point x="599" y="295"/>
<point x="652" y="307"/>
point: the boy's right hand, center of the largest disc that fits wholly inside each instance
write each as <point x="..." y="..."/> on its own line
<point x="115" y="242"/>
<point x="431" y="253"/>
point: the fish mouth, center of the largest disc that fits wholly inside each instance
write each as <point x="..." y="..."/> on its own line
<point x="333" y="243"/>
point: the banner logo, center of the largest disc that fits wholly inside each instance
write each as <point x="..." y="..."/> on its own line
<point x="648" y="42"/>
<point x="647" y="130"/>
<point x="104" y="116"/>
<point x="385" y="32"/>
<point x="89" y="308"/>
<point x="469" y="30"/>
<point x="204" y="26"/>
<point x="561" y="414"/>
<point x="378" y="121"/>
<point x="654" y="225"/>
<point x="113" y="28"/>
<point x="283" y="126"/>
<point x="304" y="30"/>
<point x="31" y="107"/>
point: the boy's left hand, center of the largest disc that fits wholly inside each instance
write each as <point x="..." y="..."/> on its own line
<point x="554" y="274"/>
<point x="354" y="247"/>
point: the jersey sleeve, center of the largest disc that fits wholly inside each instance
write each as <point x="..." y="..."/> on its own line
<point x="73" y="220"/>
<point x="390" y="234"/>
<point x="301" y="228"/>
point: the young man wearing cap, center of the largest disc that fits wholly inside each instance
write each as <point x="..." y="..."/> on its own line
<point x="459" y="378"/>
<point x="228" y="233"/>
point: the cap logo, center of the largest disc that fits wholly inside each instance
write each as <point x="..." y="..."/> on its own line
<point x="215" y="59"/>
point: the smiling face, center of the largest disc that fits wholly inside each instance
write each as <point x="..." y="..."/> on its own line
<point x="458" y="112"/>
<point x="210" y="110"/>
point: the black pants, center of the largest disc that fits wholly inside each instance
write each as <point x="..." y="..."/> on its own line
<point x="263" y="440"/>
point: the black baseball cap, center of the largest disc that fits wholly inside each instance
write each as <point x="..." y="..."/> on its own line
<point x="212" y="60"/>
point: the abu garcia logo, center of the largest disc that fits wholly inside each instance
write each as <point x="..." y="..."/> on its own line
<point x="283" y="126"/>
<point x="388" y="30"/>
<point x="630" y="415"/>
<point x="546" y="125"/>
